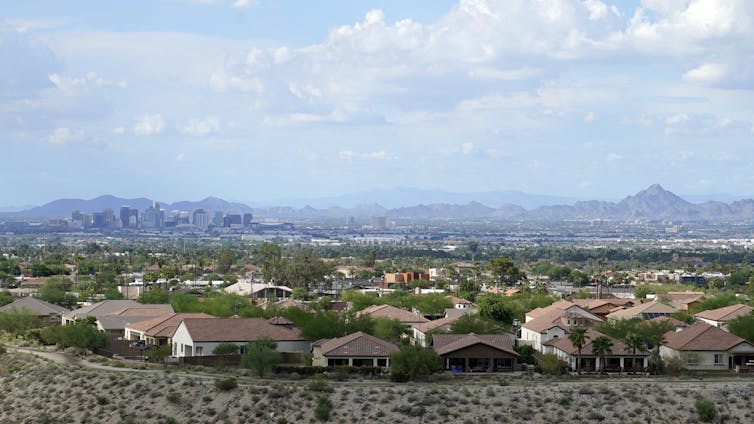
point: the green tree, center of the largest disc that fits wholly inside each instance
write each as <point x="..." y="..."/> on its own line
<point x="389" y="329"/>
<point x="412" y="363"/>
<point x="578" y="339"/>
<point x="505" y="271"/>
<point x="743" y="327"/>
<point x="5" y="298"/>
<point x="549" y="363"/>
<point x="159" y="353"/>
<point x="495" y="307"/>
<point x="54" y="291"/>
<point x="225" y="259"/>
<point x="260" y="356"/>
<point x="154" y="295"/>
<point x="270" y="256"/>
<point x="476" y="324"/>
<point x="18" y="321"/>
<point x="706" y="410"/>
<point x="602" y="346"/>
<point x="81" y="334"/>
<point x="432" y="304"/>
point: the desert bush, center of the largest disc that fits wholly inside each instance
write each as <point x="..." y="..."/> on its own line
<point x="705" y="410"/>
<point x="413" y="362"/>
<point x="319" y="385"/>
<point x="226" y="384"/>
<point x="549" y="363"/>
<point x="226" y="349"/>
<point x="323" y="408"/>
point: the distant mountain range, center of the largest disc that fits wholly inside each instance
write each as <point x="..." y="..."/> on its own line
<point x="654" y="203"/>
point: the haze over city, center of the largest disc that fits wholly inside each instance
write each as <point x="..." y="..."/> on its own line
<point x="262" y="100"/>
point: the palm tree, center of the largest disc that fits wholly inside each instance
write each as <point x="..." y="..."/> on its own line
<point x="578" y="339"/>
<point x="634" y="342"/>
<point x="601" y="347"/>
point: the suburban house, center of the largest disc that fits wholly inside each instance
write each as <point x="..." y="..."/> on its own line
<point x="45" y="311"/>
<point x="554" y="322"/>
<point x="358" y="349"/>
<point x="644" y="311"/>
<point x="402" y="315"/>
<point x="476" y="352"/>
<point x="259" y="290"/>
<point x="706" y="347"/>
<point x="602" y="307"/>
<point x="684" y="301"/>
<point x="621" y="357"/>
<point x="158" y="331"/>
<point x="112" y="316"/>
<point x="200" y="336"/>
<point x="461" y="303"/>
<point x="439" y="325"/>
<point x="720" y="317"/>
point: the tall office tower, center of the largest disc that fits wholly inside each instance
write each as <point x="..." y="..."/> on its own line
<point x="217" y="221"/>
<point x="379" y="222"/>
<point x="247" y="220"/>
<point x="125" y="216"/>
<point x="201" y="218"/>
<point x="153" y="217"/>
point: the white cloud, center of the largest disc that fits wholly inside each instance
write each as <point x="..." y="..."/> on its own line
<point x="149" y="125"/>
<point x="180" y="157"/>
<point x="467" y="148"/>
<point x="590" y="117"/>
<point x="91" y="79"/>
<point x="119" y="130"/>
<point x="64" y="135"/>
<point x="613" y="157"/>
<point x="201" y="127"/>
<point x="351" y="156"/>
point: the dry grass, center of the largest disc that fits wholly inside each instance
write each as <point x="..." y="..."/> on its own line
<point x="34" y="390"/>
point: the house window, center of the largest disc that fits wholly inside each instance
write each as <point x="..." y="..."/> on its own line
<point x="199" y="350"/>
<point x="381" y="362"/>
<point x="719" y="359"/>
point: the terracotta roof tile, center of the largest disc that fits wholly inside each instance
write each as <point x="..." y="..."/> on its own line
<point x="725" y="314"/>
<point x="389" y="311"/>
<point x="156" y="327"/>
<point x="447" y="343"/>
<point x="357" y="344"/>
<point x="702" y="337"/>
<point x="35" y="306"/>
<point x="238" y="330"/>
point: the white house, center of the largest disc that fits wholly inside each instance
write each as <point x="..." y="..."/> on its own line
<point x="200" y="336"/>
<point x="553" y="322"/>
<point x="720" y="317"/>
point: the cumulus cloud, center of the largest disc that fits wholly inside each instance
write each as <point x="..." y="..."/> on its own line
<point x="64" y="135"/>
<point x="590" y="117"/>
<point x="201" y="127"/>
<point x="149" y="125"/>
<point x="467" y="148"/>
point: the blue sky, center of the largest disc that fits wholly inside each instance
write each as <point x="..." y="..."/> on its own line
<point x="255" y="100"/>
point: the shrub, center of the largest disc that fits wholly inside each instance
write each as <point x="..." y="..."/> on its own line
<point x="101" y="400"/>
<point x="706" y="410"/>
<point x="549" y="363"/>
<point x="323" y="408"/>
<point x="173" y="397"/>
<point x="319" y="385"/>
<point x="413" y="362"/>
<point x="261" y="356"/>
<point x="226" y="349"/>
<point x="226" y="384"/>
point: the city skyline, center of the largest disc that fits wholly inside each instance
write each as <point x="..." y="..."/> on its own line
<point x="256" y="101"/>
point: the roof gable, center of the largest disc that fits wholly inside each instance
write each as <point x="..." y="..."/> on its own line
<point x="702" y="337"/>
<point x="357" y="344"/>
<point x="238" y="330"/>
<point x="726" y="313"/>
<point x="447" y="343"/>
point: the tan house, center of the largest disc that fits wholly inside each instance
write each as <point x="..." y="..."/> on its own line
<point x="443" y="325"/>
<point x="720" y="317"/>
<point x="200" y="336"/>
<point x="706" y="347"/>
<point x="47" y="313"/>
<point x="358" y="349"/>
<point x="621" y="358"/>
<point x="159" y="331"/>
<point x="388" y="311"/>
<point x="476" y="352"/>
<point x="645" y="311"/>
<point x="554" y="322"/>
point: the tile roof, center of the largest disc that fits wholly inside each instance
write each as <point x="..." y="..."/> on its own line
<point x="565" y="345"/>
<point x="551" y="317"/>
<point x="676" y="323"/>
<point x="725" y="314"/>
<point x="35" y="306"/>
<point x="389" y="311"/>
<point x="654" y="307"/>
<point x="109" y="307"/>
<point x="238" y="330"/>
<point x="447" y="343"/>
<point x="560" y="305"/>
<point x="357" y="344"/>
<point x="164" y="325"/>
<point x="280" y="321"/>
<point x="702" y="337"/>
<point x="459" y="301"/>
<point x="443" y="323"/>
